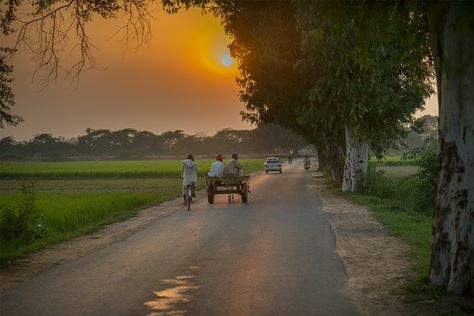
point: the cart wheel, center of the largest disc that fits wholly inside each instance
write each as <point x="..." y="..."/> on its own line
<point x="210" y="194"/>
<point x="244" y="194"/>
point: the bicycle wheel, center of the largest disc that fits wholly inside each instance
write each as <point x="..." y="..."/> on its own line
<point x="189" y="197"/>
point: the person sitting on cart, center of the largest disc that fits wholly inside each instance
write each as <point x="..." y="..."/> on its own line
<point x="217" y="168"/>
<point x="234" y="167"/>
<point x="189" y="175"/>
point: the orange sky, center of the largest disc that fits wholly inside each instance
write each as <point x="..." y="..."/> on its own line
<point x="178" y="82"/>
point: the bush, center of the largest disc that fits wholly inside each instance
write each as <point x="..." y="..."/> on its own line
<point x="425" y="159"/>
<point x="375" y="184"/>
<point x="21" y="223"/>
<point x="412" y="194"/>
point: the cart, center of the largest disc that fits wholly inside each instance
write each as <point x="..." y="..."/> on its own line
<point x="228" y="185"/>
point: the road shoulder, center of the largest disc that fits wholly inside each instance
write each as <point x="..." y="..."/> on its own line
<point x="377" y="263"/>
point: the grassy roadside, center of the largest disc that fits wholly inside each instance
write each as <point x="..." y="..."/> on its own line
<point x="413" y="226"/>
<point x="67" y="215"/>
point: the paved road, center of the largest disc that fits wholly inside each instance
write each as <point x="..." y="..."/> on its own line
<point x="273" y="256"/>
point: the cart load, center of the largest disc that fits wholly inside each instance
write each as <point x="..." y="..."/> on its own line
<point x="229" y="185"/>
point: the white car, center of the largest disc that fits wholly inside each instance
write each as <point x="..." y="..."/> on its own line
<point x="272" y="164"/>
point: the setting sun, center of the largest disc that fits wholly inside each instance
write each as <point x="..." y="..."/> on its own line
<point x="227" y="60"/>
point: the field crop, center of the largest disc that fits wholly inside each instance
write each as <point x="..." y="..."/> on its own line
<point x="108" y="169"/>
<point x="67" y="215"/>
<point x="397" y="171"/>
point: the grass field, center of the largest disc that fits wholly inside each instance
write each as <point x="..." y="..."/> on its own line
<point x="397" y="171"/>
<point x="153" y="185"/>
<point x="392" y="160"/>
<point x="75" y="198"/>
<point x="108" y="169"/>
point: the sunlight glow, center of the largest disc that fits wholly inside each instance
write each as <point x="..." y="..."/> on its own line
<point x="227" y="60"/>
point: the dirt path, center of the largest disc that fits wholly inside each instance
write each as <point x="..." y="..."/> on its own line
<point x="377" y="263"/>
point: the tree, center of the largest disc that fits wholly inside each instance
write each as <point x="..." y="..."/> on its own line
<point x="427" y="127"/>
<point x="171" y="138"/>
<point x="6" y="94"/>
<point x="451" y="27"/>
<point x="7" y="144"/>
<point x="372" y="69"/>
<point x="94" y="142"/>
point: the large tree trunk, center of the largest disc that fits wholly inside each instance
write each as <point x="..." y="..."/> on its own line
<point x="452" y="34"/>
<point x="357" y="157"/>
<point x="335" y="159"/>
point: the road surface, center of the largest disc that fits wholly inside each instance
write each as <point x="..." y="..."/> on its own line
<point x="273" y="256"/>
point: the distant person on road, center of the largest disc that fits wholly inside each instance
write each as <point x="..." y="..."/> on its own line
<point x="189" y="175"/>
<point x="217" y="168"/>
<point x="234" y="167"/>
<point x="306" y="159"/>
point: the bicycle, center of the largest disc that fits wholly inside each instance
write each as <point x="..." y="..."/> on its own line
<point x="189" y="194"/>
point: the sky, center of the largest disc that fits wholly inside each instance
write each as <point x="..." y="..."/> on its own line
<point x="184" y="79"/>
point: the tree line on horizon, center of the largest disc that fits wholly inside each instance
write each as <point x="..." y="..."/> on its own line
<point x="130" y="143"/>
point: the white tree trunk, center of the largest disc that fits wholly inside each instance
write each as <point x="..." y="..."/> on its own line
<point x="357" y="157"/>
<point x="452" y="34"/>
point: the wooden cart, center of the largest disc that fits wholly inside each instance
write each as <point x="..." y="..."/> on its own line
<point x="228" y="185"/>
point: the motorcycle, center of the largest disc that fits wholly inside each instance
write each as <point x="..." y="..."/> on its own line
<point x="307" y="165"/>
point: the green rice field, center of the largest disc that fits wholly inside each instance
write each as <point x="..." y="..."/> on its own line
<point x="108" y="169"/>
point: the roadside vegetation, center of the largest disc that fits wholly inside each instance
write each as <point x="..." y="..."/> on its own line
<point x="402" y="199"/>
<point x="44" y="203"/>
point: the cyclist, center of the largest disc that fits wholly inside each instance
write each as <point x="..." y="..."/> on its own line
<point x="189" y="175"/>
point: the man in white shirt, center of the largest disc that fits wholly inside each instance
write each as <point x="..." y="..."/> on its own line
<point x="234" y="167"/>
<point x="217" y="168"/>
<point x="189" y="174"/>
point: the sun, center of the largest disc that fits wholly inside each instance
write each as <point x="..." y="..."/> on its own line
<point x="227" y="60"/>
<point x="209" y="47"/>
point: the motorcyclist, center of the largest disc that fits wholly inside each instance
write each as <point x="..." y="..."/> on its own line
<point x="307" y="162"/>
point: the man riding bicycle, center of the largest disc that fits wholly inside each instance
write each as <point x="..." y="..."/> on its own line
<point x="189" y="175"/>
